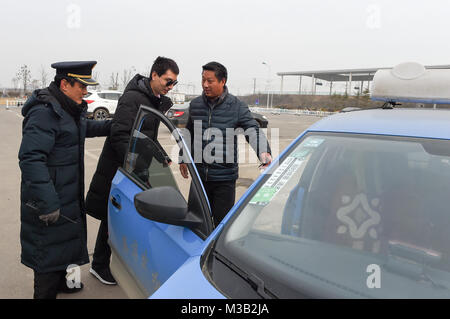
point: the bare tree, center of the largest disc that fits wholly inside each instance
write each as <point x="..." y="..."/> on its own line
<point x="114" y="81"/>
<point x="44" y="77"/>
<point x="126" y="76"/>
<point x="15" y="82"/>
<point x="96" y="76"/>
<point x="24" y="75"/>
<point x="35" y="84"/>
<point x="147" y="71"/>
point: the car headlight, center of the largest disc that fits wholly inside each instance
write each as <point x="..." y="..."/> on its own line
<point x="264" y="117"/>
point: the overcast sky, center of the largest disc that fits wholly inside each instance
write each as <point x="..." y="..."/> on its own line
<point x="290" y="35"/>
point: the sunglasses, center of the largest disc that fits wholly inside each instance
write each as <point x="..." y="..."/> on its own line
<point x="170" y="82"/>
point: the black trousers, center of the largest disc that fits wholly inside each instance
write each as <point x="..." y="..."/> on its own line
<point x="102" y="251"/>
<point x="221" y="197"/>
<point x="46" y="284"/>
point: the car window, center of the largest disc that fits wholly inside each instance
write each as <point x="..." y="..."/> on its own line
<point x="153" y="161"/>
<point x="149" y="156"/>
<point x="102" y="95"/>
<point x="341" y="205"/>
<point x="112" y="96"/>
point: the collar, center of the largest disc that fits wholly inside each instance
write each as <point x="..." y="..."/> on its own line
<point x="218" y="100"/>
<point x="67" y="104"/>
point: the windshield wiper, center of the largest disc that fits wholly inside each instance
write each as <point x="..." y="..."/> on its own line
<point x="254" y="281"/>
<point x="412" y="262"/>
<point x="435" y="284"/>
<point x="414" y="272"/>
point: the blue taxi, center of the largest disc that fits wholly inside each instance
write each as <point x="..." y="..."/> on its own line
<point x="356" y="207"/>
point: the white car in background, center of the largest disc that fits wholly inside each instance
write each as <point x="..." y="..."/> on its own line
<point x="102" y="104"/>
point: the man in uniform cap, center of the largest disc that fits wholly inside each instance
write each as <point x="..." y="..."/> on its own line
<point x="78" y="70"/>
<point x="51" y="158"/>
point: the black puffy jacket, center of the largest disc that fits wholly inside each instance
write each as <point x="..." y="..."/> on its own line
<point x="229" y="113"/>
<point x="51" y="158"/>
<point x="138" y="92"/>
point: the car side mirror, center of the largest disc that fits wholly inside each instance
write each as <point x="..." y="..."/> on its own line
<point x="165" y="205"/>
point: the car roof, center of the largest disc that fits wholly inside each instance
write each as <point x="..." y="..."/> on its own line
<point x="428" y="123"/>
<point x="180" y="106"/>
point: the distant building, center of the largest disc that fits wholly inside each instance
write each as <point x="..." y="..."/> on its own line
<point x="362" y="77"/>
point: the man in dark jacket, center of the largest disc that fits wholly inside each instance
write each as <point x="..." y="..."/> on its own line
<point x="216" y="112"/>
<point x="51" y="158"/>
<point x="139" y="91"/>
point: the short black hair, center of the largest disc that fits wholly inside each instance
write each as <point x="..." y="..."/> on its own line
<point x="59" y="78"/>
<point x="162" y="64"/>
<point x="219" y="70"/>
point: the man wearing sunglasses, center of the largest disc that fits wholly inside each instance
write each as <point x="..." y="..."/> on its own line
<point x="141" y="90"/>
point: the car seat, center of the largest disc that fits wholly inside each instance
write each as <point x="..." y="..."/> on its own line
<point x="354" y="218"/>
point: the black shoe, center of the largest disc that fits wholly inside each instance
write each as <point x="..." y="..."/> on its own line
<point x="104" y="275"/>
<point x="65" y="289"/>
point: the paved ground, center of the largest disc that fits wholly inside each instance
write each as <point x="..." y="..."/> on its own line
<point x="16" y="280"/>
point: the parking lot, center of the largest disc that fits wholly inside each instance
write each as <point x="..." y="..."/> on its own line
<point x="16" y="280"/>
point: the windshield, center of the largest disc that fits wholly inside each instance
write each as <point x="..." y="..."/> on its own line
<point x="348" y="215"/>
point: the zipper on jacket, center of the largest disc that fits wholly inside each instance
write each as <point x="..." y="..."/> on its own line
<point x="209" y="137"/>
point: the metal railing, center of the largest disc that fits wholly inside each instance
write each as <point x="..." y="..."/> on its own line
<point x="309" y="92"/>
<point x="15" y="103"/>
<point x="290" y="111"/>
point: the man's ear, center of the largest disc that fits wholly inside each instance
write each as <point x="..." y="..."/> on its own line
<point x="153" y="75"/>
<point x="63" y="85"/>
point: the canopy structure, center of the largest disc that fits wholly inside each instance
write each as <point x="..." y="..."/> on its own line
<point x="347" y="75"/>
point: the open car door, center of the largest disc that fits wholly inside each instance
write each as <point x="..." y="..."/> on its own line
<point x="156" y="218"/>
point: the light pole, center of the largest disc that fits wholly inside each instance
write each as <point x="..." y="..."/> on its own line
<point x="268" y="82"/>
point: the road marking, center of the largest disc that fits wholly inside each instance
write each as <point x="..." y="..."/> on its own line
<point x="15" y="113"/>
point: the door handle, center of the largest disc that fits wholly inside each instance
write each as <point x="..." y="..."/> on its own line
<point x="115" y="203"/>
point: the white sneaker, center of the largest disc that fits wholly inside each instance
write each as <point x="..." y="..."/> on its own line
<point x="104" y="275"/>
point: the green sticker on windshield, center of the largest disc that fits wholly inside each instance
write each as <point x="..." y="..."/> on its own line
<point x="313" y="142"/>
<point x="277" y="180"/>
<point x="301" y="154"/>
<point x="264" y="196"/>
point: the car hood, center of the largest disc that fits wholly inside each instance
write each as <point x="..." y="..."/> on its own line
<point x="188" y="282"/>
